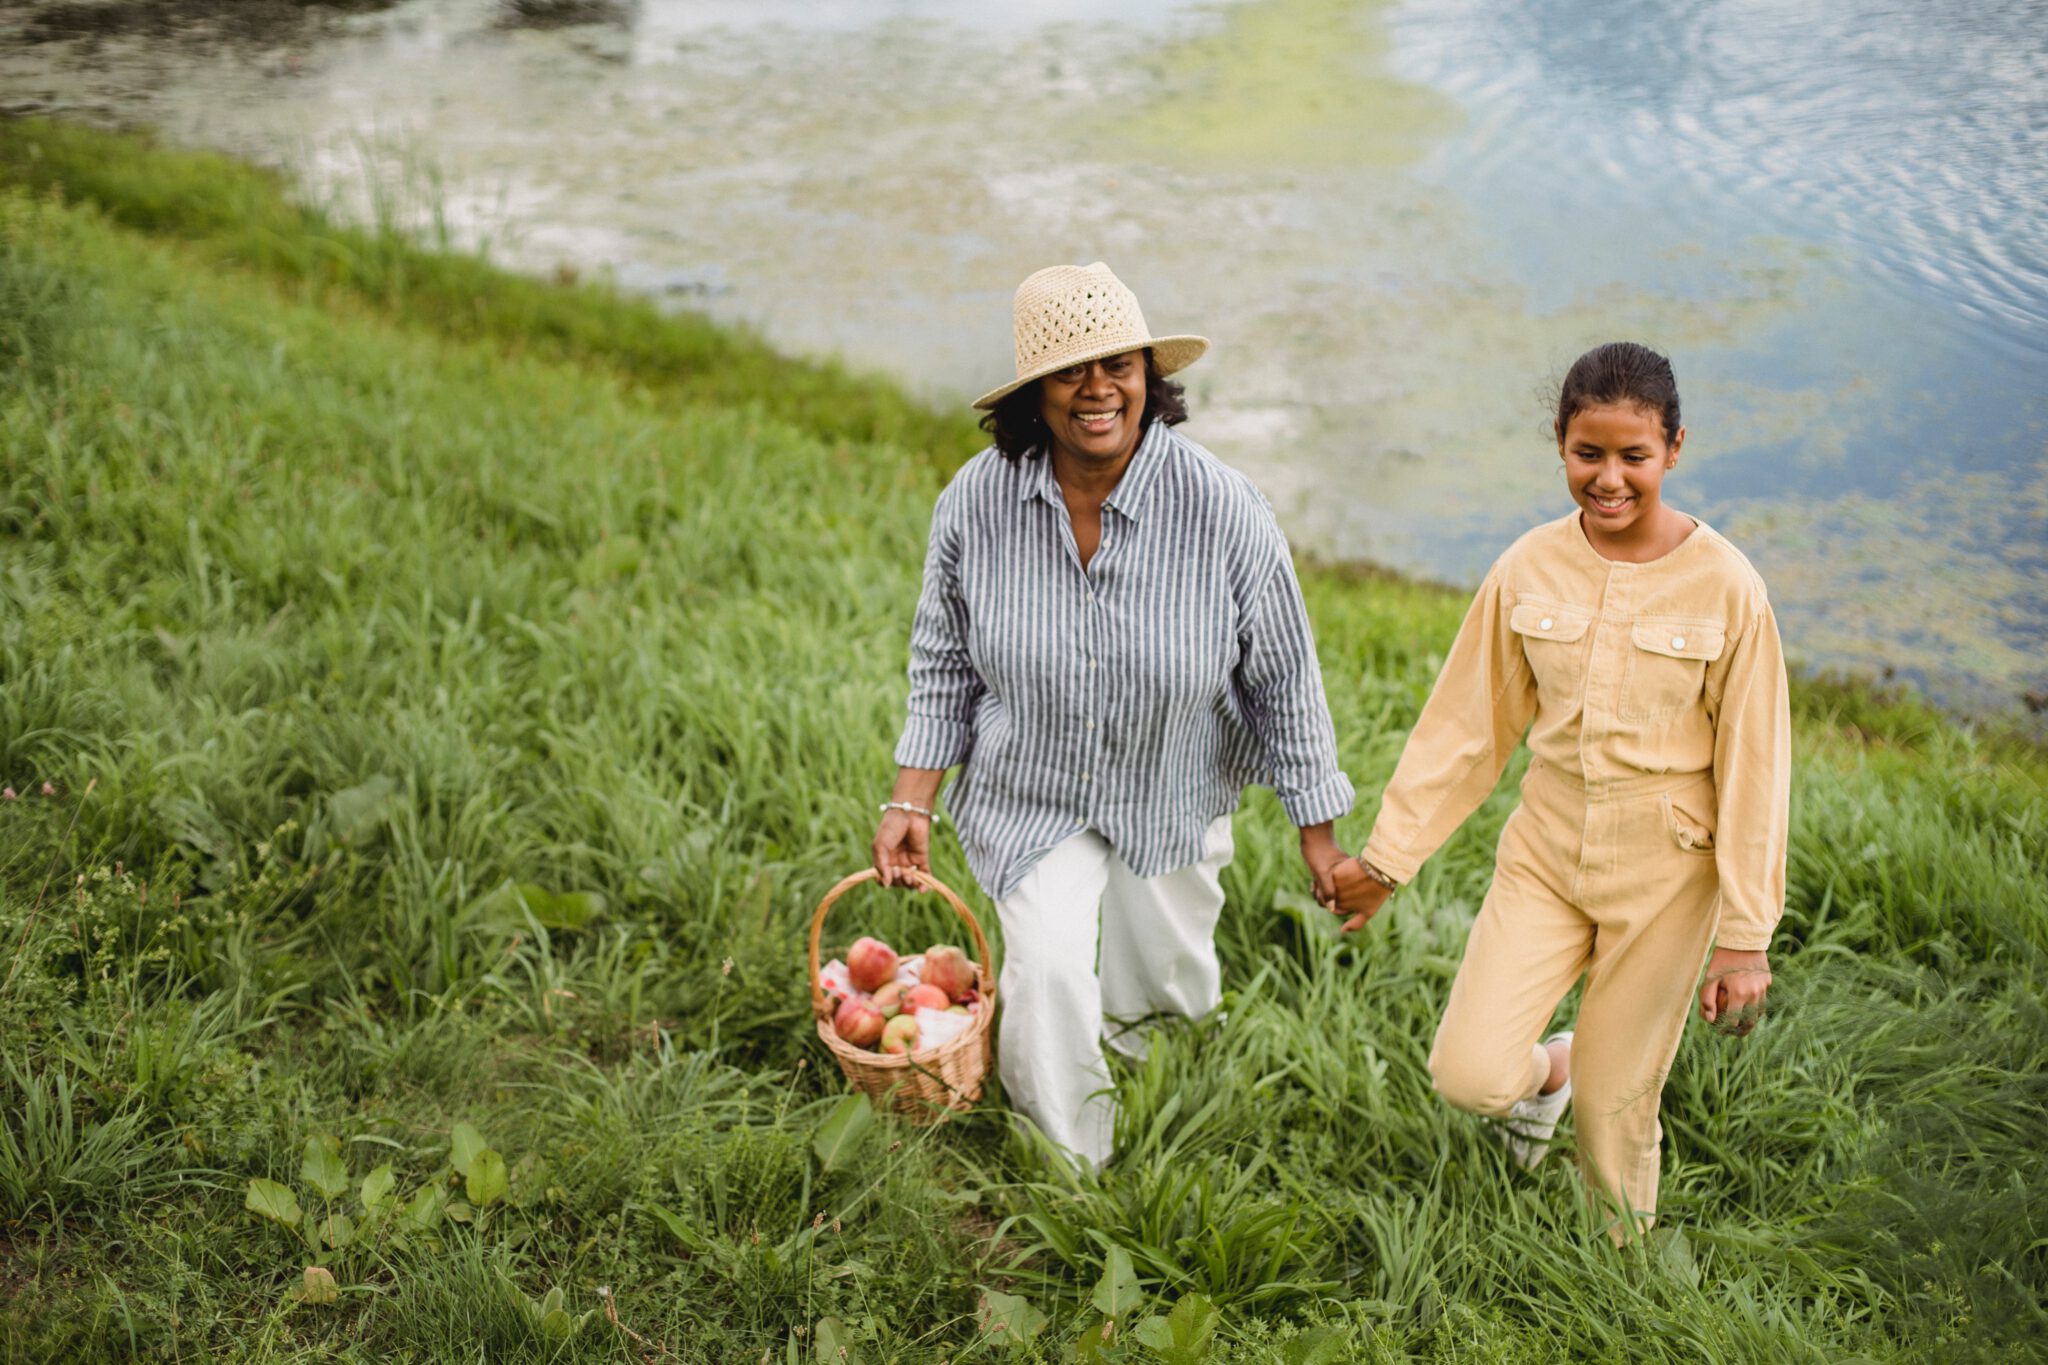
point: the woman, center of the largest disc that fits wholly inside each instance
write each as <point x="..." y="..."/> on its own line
<point x="1110" y="645"/>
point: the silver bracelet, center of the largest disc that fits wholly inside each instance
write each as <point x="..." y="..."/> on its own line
<point x="914" y="810"/>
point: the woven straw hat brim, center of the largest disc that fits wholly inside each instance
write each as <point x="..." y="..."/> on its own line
<point x="1168" y="353"/>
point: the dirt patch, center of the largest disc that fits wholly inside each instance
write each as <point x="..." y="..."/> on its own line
<point x="229" y="20"/>
<point x="563" y="13"/>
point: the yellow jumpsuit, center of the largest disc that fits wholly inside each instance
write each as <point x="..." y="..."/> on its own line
<point x="1652" y="824"/>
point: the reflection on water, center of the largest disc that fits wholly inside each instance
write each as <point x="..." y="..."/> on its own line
<point x="1399" y="222"/>
<point x="1912" y="134"/>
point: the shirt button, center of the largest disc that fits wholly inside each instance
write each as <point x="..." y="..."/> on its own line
<point x="1091" y="597"/>
<point x="1091" y="725"/>
<point x="1544" y="624"/>
<point x="1678" y="642"/>
<point x="1085" y="776"/>
<point x="1091" y="663"/>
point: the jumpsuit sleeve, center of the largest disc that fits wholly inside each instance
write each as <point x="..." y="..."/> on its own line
<point x="944" y="685"/>
<point x="1752" y="718"/>
<point x="1280" y="684"/>
<point x="1476" y="714"/>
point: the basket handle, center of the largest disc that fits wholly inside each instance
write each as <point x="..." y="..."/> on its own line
<point x="925" y="882"/>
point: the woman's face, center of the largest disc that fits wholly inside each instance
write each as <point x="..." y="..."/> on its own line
<point x="1615" y="457"/>
<point x="1093" y="410"/>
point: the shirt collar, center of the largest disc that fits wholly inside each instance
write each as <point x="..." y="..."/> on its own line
<point x="1128" y="497"/>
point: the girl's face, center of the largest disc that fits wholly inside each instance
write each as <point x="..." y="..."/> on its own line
<point x="1615" y="458"/>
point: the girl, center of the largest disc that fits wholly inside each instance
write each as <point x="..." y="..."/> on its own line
<point x="1653" y="818"/>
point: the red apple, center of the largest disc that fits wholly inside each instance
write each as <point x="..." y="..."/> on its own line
<point x="859" y="1023"/>
<point x="889" y="999"/>
<point x="947" y="968"/>
<point x="870" y="962"/>
<point x="899" y="1035"/>
<point x="926" y="996"/>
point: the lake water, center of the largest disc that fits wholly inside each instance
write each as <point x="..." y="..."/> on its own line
<point x="1398" y="222"/>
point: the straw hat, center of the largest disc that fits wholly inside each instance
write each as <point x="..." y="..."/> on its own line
<point x="1072" y="314"/>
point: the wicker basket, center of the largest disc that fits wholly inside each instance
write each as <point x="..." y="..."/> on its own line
<point x="926" y="1086"/>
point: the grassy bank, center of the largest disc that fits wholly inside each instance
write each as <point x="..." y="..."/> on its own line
<point x="348" y="589"/>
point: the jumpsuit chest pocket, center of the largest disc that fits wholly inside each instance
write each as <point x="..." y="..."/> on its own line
<point x="1667" y="664"/>
<point x="1553" y="636"/>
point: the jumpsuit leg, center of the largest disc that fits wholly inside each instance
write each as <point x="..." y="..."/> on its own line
<point x="1159" y="941"/>
<point x="1527" y="946"/>
<point x="1657" y="908"/>
<point x="1050" y="1034"/>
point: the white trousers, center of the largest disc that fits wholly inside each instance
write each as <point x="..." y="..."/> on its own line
<point x="1089" y="944"/>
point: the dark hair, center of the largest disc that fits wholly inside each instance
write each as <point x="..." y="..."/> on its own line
<point x="1020" y="432"/>
<point x="1620" y="372"/>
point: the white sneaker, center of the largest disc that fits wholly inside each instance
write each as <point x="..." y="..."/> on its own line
<point x="1529" y="1125"/>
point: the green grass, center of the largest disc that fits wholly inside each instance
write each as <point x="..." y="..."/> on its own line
<point x="345" y="586"/>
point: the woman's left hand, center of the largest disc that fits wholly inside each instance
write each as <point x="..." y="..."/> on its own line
<point x="1732" y="1000"/>
<point x="1320" y="851"/>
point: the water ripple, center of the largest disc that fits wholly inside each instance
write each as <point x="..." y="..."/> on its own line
<point x="1913" y="134"/>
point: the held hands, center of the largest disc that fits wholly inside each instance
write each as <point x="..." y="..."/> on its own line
<point x="1342" y="886"/>
<point x="902" y="842"/>
<point x="1732" y="998"/>
<point x="1354" y="894"/>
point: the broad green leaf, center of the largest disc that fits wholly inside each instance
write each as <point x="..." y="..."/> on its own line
<point x="464" y="1142"/>
<point x="273" y="1201"/>
<point x="486" y="1180"/>
<point x="1009" y="1318"/>
<point x="679" y="1228"/>
<point x="507" y="905"/>
<point x="557" y="1325"/>
<point x="424" y="1209"/>
<point x="318" y="1286"/>
<point x="551" y="1302"/>
<point x="377" y="1186"/>
<point x="337" y="1231"/>
<point x="322" y="1168"/>
<point x="1095" y="1339"/>
<point x="1182" y="1337"/>
<point x="842" y="1131"/>
<point x="561" y="909"/>
<point x="1676" y="1254"/>
<point x="834" y="1342"/>
<point x="1116" y="1293"/>
<point x="358" y="810"/>
<point x="1316" y="1346"/>
<point x="459" y="1211"/>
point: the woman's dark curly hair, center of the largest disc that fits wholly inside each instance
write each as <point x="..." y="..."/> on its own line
<point x="1020" y="432"/>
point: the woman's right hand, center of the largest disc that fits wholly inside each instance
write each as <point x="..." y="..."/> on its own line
<point x="903" y="841"/>
<point x="1358" y="896"/>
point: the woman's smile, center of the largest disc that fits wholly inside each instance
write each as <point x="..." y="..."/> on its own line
<point x="1095" y="411"/>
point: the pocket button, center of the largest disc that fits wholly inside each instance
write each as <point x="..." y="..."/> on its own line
<point x="1544" y="624"/>
<point x="1678" y="642"/>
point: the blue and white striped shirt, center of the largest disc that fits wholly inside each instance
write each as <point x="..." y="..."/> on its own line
<point x="1137" y="697"/>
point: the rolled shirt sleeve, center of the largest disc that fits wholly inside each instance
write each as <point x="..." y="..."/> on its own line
<point x="1484" y="698"/>
<point x="1752" y="713"/>
<point x="1281" y="686"/>
<point x="944" y="686"/>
